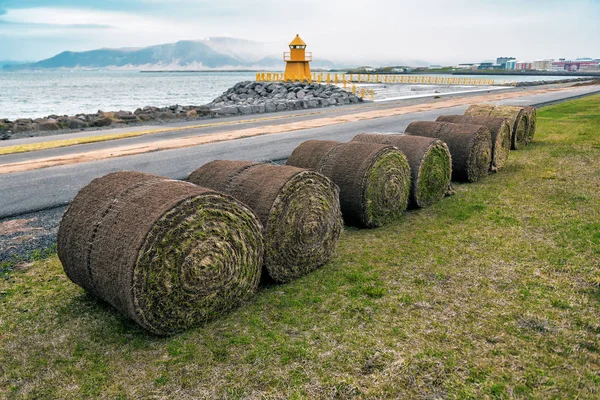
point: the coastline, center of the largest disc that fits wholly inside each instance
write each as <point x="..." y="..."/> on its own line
<point x="237" y="104"/>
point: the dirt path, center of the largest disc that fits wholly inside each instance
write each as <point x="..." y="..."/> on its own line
<point x="158" y="145"/>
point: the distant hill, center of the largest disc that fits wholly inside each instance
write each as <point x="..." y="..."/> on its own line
<point x="7" y="63"/>
<point x="211" y="53"/>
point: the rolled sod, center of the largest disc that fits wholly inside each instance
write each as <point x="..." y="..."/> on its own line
<point x="299" y="210"/>
<point x="168" y="254"/>
<point x="532" y="117"/>
<point x="500" y="130"/>
<point x="374" y="179"/>
<point x="518" y="118"/>
<point x="430" y="164"/>
<point x="470" y="146"/>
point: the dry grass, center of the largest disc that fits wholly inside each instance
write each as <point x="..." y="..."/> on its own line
<point x="492" y="293"/>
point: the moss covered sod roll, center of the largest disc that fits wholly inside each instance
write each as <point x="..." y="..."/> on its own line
<point x="374" y="179"/>
<point x="299" y="209"/>
<point x="500" y="130"/>
<point x="470" y="146"/>
<point x="518" y="118"/>
<point x="168" y="254"/>
<point x="532" y="118"/>
<point x="430" y="164"/>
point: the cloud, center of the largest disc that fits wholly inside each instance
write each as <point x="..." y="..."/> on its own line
<point x="376" y="32"/>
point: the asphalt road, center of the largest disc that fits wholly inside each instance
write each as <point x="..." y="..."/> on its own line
<point x="30" y="191"/>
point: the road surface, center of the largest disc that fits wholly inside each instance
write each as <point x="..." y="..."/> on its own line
<point x="42" y="189"/>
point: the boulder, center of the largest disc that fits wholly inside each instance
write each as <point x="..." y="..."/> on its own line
<point x="270" y="106"/>
<point x="49" y="125"/>
<point x="18" y="128"/>
<point x="165" y="115"/>
<point x="146" y="117"/>
<point x="75" y="123"/>
<point x="125" y="116"/>
<point x="227" y="110"/>
<point x="245" y="110"/>
<point x="102" y="122"/>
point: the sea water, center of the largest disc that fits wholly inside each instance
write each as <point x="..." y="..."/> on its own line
<point x="35" y="94"/>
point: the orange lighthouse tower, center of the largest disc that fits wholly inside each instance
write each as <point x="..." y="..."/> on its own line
<point x="297" y="67"/>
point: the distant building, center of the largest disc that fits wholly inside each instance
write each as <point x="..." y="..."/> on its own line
<point x="510" y="64"/>
<point x="435" y="66"/>
<point x="467" y="66"/>
<point x="503" y="60"/>
<point x="542" y="65"/>
<point x="401" y="69"/>
<point x="489" y="65"/>
<point x="580" y="64"/>
<point x="523" y="65"/>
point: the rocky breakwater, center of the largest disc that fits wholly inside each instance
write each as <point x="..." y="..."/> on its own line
<point x="260" y="97"/>
<point x="58" y="124"/>
<point x="550" y="82"/>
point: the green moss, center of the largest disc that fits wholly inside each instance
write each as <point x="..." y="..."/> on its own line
<point x="387" y="188"/>
<point x="502" y="147"/>
<point x="532" y="118"/>
<point x="480" y="157"/>
<point x="520" y="135"/>
<point x="434" y="176"/>
<point x="304" y="226"/>
<point x="200" y="259"/>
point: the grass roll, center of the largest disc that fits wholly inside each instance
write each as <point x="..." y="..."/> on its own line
<point x="470" y="146"/>
<point x="168" y="254"/>
<point x="430" y="164"/>
<point x="299" y="210"/>
<point x="500" y="130"/>
<point x="518" y="118"/>
<point x="532" y="118"/>
<point x="374" y="179"/>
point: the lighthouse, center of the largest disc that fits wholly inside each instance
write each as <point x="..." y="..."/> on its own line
<point x="297" y="67"/>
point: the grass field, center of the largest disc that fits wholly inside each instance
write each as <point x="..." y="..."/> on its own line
<point x="491" y="293"/>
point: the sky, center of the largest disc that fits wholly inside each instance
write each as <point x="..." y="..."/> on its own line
<point x="374" y="32"/>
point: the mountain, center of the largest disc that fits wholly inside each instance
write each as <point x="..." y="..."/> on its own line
<point x="210" y="53"/>
<point x="181" y="54"/>
<point x="6" y="63"/>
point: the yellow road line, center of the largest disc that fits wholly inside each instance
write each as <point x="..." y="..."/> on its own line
<point x="53" y="144"/>
<point x="189" y="141"/>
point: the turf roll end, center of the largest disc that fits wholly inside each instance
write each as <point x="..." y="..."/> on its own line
<point x="430" y="164"/>
<point x="374" y="179"/>
<point x="168" y="254"/>
<point x="517" y="116"/>
<point x="501" y="135"/>
<point x="469" y="145"/>
<point x="299" y="209"/>
<point x="532" y="117"/>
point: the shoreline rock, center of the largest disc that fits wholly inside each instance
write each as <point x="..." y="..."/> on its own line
<point x="55" y="124"/>
<point x="245" y="98"/>
<point x="249" y="97"/>
<point x="537" y="83"/>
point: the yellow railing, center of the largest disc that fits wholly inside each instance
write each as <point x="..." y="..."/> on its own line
<point x="321" y="77"/>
